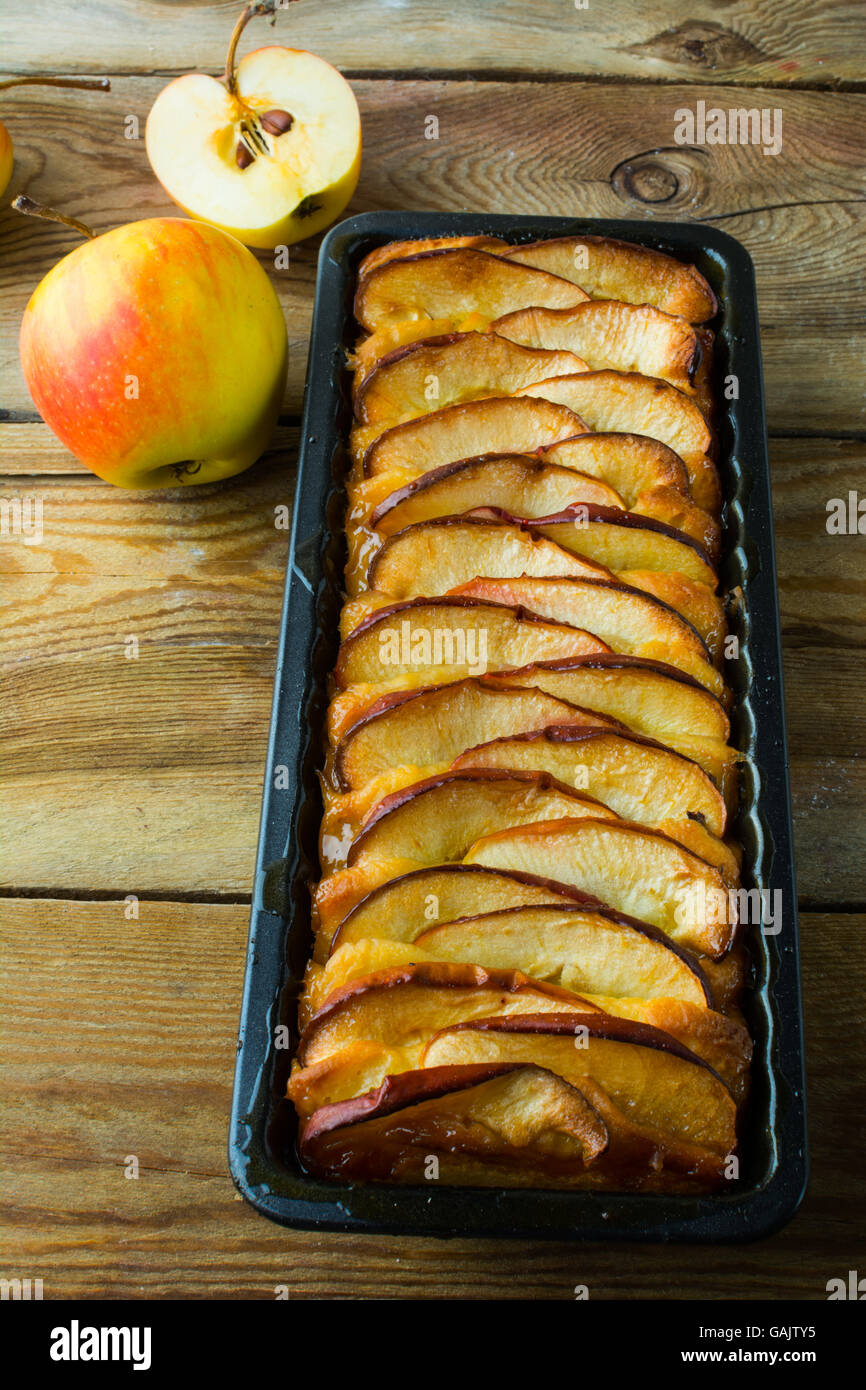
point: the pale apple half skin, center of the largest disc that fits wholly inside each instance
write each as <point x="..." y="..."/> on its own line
<point x="158" y="354"/>
<point x="295" y="190"/>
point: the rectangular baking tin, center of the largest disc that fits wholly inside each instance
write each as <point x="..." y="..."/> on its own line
<point x="261" y="1142"/>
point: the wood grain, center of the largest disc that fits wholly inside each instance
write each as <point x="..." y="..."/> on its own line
<point x="122" y="1043"/>
<point x="760" y="41"/>
<point x="504" y="147"/>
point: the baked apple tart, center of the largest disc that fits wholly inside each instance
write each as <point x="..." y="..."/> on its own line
<point x="527" y="965"/>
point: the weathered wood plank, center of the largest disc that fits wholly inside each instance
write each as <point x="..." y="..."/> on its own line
<point x="122" y="1043"/>
<point x="764" y="41"/>
<point x="567" y="148"/>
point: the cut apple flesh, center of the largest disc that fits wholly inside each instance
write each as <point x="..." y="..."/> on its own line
<point x="454" y="282"/>
<point x="640" y="780"/>
<point x="633" y="464"/>
<point x="450" y="370"/>
<point x="608" y="334"/>
<point x="496" y="425"/>
<point x="435" y="725"/>
<point x="629" y="620"/>
<point x="487" y="1125"/>
<point x="430" y="638"/>
<point x="437" y="820"/>
<point x="610" y="269"/>
<point x="633" y="869"/>
<point x="641" y="405"/>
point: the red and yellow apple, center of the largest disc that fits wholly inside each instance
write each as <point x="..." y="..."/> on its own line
<point x="157" y="353"/>
<point x="271" y="152"/>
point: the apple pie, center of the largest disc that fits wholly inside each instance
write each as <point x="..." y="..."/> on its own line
<point x="528" y="966"/>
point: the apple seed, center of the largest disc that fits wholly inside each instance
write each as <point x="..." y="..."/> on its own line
<point x="277" y="122"/>
<point x="243" y="155"/>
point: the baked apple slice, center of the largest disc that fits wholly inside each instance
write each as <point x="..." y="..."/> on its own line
<point x="517" y="483"/>
<point x="641" y="780"/>
<point x="631" y="868"/>
<point x="436" y="821"/>
<point x="453" y="282"/>
<point x="641" y="405"/>
<point x="449" y="370"/>
<point x="496" y="1125"/>
<point x="495" y="425"/>
<point x="588" y="951"/>
<point x="433" y="557"/>
<point x="432" y="638"/>
<point x="658" y="1083"/>
<point x="435" y="724"/>
<point x="697" y="603"/>
<point x="624" y="541"/>
<point x="610" y="269"/>
<point x="628" y="619"/>
<point x="633" y="464"/>
<point x="609" y="334"/>
<point x="398" y="250"/>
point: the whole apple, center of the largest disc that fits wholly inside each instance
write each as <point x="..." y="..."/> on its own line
<point x="157" y="353"/>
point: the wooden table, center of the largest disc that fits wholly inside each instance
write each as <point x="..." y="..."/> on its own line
<point x="139" y="778"/>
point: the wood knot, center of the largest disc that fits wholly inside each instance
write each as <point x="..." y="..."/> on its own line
<point x="700" y="45"/>
<point x="668" y="178"/>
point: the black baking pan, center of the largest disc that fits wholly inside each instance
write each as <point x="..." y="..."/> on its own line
<point x="773" y="1155"/>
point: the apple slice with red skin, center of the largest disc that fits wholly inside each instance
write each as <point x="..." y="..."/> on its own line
<point x="437" y="820"/>
<point x="723" y="1043"/>
<point x="670" y="507"/>
<point x="630" y="867"/>
<point x="609" y="334"/>
<point x="697" y="603"/>
<point x="494" y="425"/>
<point x="629" y="620"/>
<point x="455" y="282"/>
<point x="516" y="482"/>
<point x="633" y="464"/>
<point x="642" y="405"/>
<point x="428" y="638"/>
<point x="498" y="1125"/>
<point x="623" y="541"/>
<point x="464" y="367"/>
<point x="611" y="269"/>
<point x="436" y="723"/>
<point x="640" y="779"/>
<point x="398" y="250"/>
<point x="590" y="951"/>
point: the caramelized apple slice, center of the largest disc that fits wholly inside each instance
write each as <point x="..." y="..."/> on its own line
<point x="450" y="370"/>
<point x="670" y="507"/>
<point x="696" y="603"/>
<point x="642" y="405"/>
<point x="435" y="724"/>
<point x="723" y="1043"/>
<point x="488" y="1125"/>
<point x="624" y="541"/>
<point x="634" y="464"/>
<point x="454" y="282"/>
<point x="496" y="425"/>
<point x="591" y="952"/>
<point x="433" y="557"/>
<point x="398" y="250"/>
<point x="632" y="868"/>
<point x="608" y="334"/>
<point x="516" y="482"/>
<point x="437" y="820"/>
<point x="629" y="620"/>
<point x="432" y="638"/>
<point x="610" y="269"/>
<point x="660" y="1084"/>
<point x="641" y="780"/>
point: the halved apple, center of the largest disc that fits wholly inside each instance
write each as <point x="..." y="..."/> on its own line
<point x="495" y="425"/>
<point x="437" y="820"/>
<point x="634" y="464"/>
<point x="639" y="779"/>
<point x="433" y="557"/>
<point x="642" y="405"/>
<point x="518" y="483"/>
<point x="431" y="639"/>
<point x="453" y="282"/>
<point x="434" y="724"/>
<point x="397" y="250"/>
<point x="610" y="269"/>
<point x="628" y="619"/>
<point x="451" y="370"/>
<point x="658" y="1083"/>
<point x="609" y="334"/>
<point x="631" y="868"/>
<point x="503" y="1125"/>
<point x="595" y="952"/>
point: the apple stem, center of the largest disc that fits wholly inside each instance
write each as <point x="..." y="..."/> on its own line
<point x="250" y="11"/>
<point x="87" y="84"/>
<point x="24" y="204"/>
